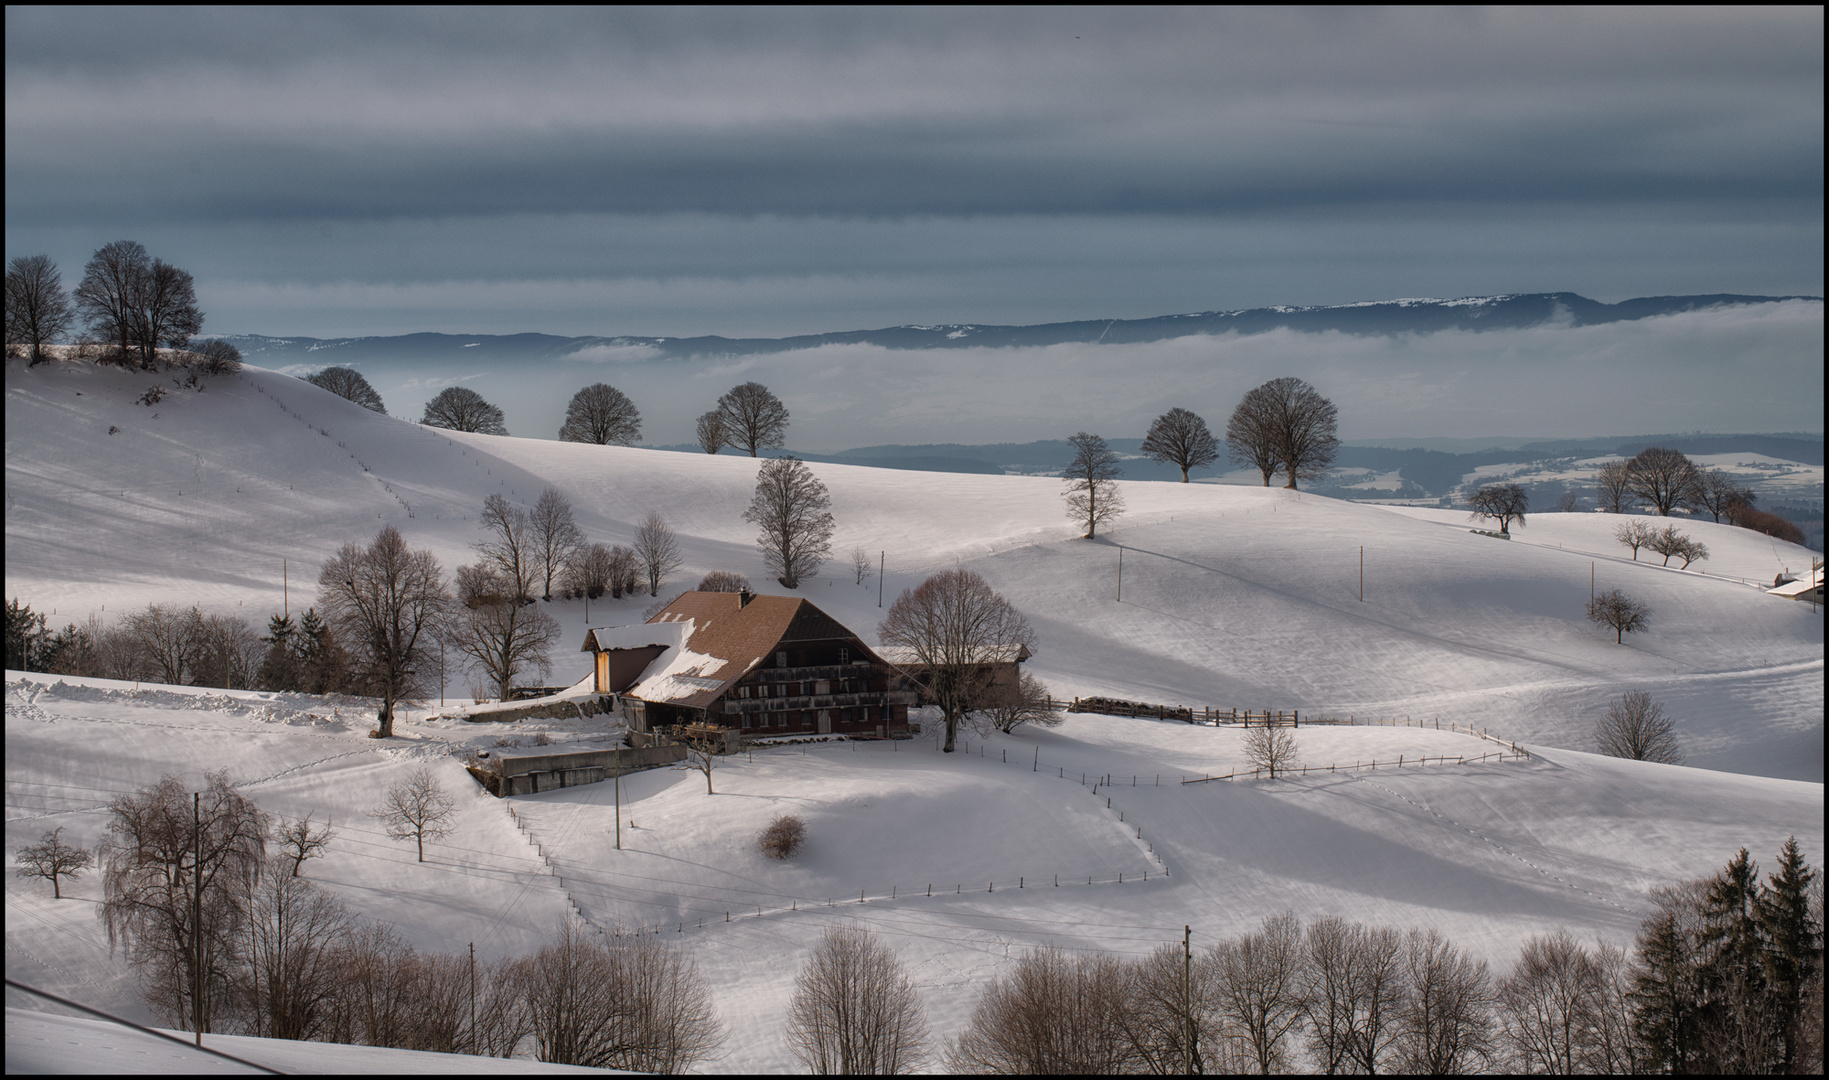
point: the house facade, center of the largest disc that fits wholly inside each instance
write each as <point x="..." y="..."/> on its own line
<point x="761" y="665"/>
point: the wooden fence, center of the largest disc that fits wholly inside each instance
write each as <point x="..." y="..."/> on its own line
<point x="1402" y="761"/>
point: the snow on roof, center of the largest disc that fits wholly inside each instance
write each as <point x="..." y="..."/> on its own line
<point x="639" y="635"/>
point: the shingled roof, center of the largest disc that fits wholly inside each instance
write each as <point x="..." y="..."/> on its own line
<point x="728" y="638"/>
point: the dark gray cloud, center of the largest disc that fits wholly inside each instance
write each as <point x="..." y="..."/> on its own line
<point x="331" y="171"/>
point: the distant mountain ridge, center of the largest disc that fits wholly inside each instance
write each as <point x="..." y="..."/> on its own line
<point x="1475" y="313"/>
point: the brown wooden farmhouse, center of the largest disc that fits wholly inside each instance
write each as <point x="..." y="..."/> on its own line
<point x="765" y="665"/>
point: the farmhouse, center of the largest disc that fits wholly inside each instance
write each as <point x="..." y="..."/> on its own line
<point x="762" y="665"/>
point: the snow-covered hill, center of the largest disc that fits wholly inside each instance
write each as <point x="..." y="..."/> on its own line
<point x="1231" y="596"/>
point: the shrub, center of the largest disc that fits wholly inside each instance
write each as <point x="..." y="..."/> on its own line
<point x="783" y="837"/>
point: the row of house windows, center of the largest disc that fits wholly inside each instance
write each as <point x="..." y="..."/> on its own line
<point x="839" y="686"/>
<point x="787" y="720"/>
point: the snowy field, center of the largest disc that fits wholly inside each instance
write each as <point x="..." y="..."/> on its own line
<point x="1230" y="597"/>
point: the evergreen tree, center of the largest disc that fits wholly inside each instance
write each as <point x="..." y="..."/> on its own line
<point x="281" y="669"/>
<point x="1666" y="996"/>
<point x="1735" y="1018"/>
<point x="26" y="637"/>
<point x="1793" y="943"/>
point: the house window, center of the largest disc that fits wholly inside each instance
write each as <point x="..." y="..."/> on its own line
<point x="745" y="721"/>
<point x="844" y="656"/>
<point x="781" y="658"/>
<point x="742" y="691"/>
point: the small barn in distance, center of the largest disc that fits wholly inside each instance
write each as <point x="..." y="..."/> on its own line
<point x="762" y="665"/>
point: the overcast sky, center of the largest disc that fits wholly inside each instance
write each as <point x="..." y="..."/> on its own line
<point x="765" y="172"/>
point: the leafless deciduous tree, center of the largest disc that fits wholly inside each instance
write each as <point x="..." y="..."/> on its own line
<point x="1258" y="980"/>
<point x="167" y="639"/>
<point x="1171" y="1018"/>
<point x="782" y="837"/>
<point x="1635" y="534"/>
<point x="298" y="842"/>
<point x="1092" y="490"/>
<point x="50" y="858"/>
<point x="855" y="1011"/>
<point x="1287" y="424"/>
<point x="752" y="418"/>
<point x="385" y="603"/>
<point x="1251" y="433"/>
<point x="1445" y="1027"/>
<point x="555" y="536"/>
<point x="107" y="298"/>
<point x="1507" y="502"/>
<point x="176" y="871"/>
<point x="416" y="809"/>
<point x="631" y="1004"/>
<point x="166" y="313"/>
<point x="1549" y="1005"/>
<point x="510" y="549"/>
<point x="657" y="552"/>
<point x="227" y="652"/>
<point x="862" y="569"/>
<point x="501" y="636"/>
<point x="1668" y="542"/>
<point x="1048" y="1015"/>
<point x="723" y="581"/>
<point x="348" y="383"/>
<point x="1028" y="702"/>
<point x="1568" y="502"/>
<point x="38" y="310"/>
<point x="215" y="357"/>
<point x="459" y="408"/>
<point x="1636" y="727"/>
<point x="1272" y="749"/>
<point x="1717" y="492"/>
<point x="601" y="414"/>
<point x="794" y="512"/>
<point x="601" y="569"/>
<point x="1619" y="612"/>
<point x="1613" y="489"/>
<point x="1180" y="438"/>
<point x="711" y="432"/>
<point x="957" y="628"/>
<point x="703" y="748"/>
<point x="290" y="956"/>
<point x="1664" y="478"/>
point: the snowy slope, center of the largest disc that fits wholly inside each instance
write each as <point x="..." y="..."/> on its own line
<point x="1232" y="596"/>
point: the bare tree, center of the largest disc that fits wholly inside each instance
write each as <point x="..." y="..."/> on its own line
<point x="854" y="1009"/>
<point x="216" y="357"/>
<point x="459" y="408"/>
<point x="1251" y="433"/>
<point x="511" y="550"/>
<point x="348" y="383"/>
<point x="555" y="537"/>
<point x="657" y="552"/>
<point x="753" y="418"/>
<point x="1549" y="1006"/>
<point x="1667" y="542"/>
<point x="1092" y="491"/>
<point x="625" y="569"/>
<point x="712" y="434"/>
<point x="177" y="867"/>
<point x="782" y="837"/>
<point x="794" y="512"/>
<point x="862" y="569"/>
<point x="385" y="603"/>
<point x="1568" y="502"/>
<point x="601" y="414"/>
<point x="1259" y="983"/>
<point x="1613" y="489"/>
<point x="957" y="629"/>
<point x="416" y="809"/>
<point x="1664" y="478"/>
<point x="1635" y="534"/>
<point x="166" y="313"/>
<point x="1272" y="749"/>
<point x="703" y="747"/>
<point x="1716" y="492"/>
<point x="722" y="581"/>
<point x="1049" y="1015"/>
<point x="1171" y="1018"/>
<point x="1507" y="502"/>
<point x="226" y="652"/>
<point x="290" y="956"/>
<point x="1637" y="728"/>
<point x="1180" y="438"/>
<point x="1619" y="612"/>
<point x="298" y="841"/>
<point x="50" y="858"/>
<point x="589" y="573"/>
<point x="167" y="639"/>
<point x="1028" y="702"/>
<point x="501" y="636"/>
<point x="38" y="312"/>
<point x="1445" y="1027"/>
<point x="107" y="299"/>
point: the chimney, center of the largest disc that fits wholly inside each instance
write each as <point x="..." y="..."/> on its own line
<point x="744" y="597"/>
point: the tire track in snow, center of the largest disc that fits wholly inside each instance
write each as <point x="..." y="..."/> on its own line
<point x="1494" y="844"/>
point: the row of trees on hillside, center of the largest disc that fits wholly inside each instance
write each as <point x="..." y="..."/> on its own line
<point x="1666" y="481"/>
<point x="129" y="306"/>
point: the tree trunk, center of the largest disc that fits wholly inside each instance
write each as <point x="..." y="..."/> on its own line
<point x="1184" y="474"/>
<point x="384" y="721"/>
<point x="952" y="727"/>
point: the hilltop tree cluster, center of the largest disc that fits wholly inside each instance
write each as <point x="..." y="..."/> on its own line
<point x="133" y="309"/>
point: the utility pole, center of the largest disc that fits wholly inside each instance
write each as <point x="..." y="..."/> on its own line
<point x="473" y="997"/>
<point x="1362" y="573"/>
<point x="1187" y="1010"/>
<point x="617" y="765"/>
<point x="1590" y="581"/>
<point x="285" y="590"/>
<point x="197" y="915"/>
<point x="1120" y="573"/>
<point x="882" y="560"/>
<point x="441" y="673"/>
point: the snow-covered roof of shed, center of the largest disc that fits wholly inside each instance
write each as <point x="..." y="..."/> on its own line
<point x="640" y="635"/>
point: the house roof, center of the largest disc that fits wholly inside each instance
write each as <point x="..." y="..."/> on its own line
<point x="721" y="638"/>
<point x="641" y="635"/>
